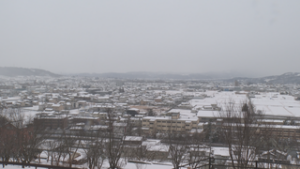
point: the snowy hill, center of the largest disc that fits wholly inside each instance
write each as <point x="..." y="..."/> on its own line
<point x="15" y="71"/>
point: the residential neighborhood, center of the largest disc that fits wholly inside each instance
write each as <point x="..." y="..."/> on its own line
<point x="145" y="116"/>
<point x="151" y="84"/>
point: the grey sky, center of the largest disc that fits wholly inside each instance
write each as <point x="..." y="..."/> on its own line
<point x="70" y="36"/>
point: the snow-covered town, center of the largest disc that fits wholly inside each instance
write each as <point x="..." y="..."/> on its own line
<point x="151" y="84"/>
<point x="90" y="122"/>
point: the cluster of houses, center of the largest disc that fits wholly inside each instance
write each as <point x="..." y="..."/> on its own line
<point x="147" y="108"/>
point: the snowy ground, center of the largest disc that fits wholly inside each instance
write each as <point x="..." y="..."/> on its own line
<point x="33" y="108"/>
<point x="277" y="105"/>
<point x="129" y="165"/>
<point x="218" y="151"/>
<point x="272" y="104"/>
<point x="219" y="98"/>
<point x="29" y="115"/>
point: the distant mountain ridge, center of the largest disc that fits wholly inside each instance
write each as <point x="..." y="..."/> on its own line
<point x="17" y="71"/>
<point x="286" y="78"/>
<point x="150" y="75"/>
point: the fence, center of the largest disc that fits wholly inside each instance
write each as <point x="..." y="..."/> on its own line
<point x="34" y="165"/>
<point x="210" y="163"/>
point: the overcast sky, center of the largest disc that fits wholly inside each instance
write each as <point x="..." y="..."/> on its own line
<point x="258" y="37"/>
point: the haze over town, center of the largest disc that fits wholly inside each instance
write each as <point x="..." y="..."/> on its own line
<point x="254" y="38"/>
<point x="150" y="84"/>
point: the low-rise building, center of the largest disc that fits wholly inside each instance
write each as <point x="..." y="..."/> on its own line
<point x="169" y="122"/>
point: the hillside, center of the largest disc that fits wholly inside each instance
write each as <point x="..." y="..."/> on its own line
<point x="286" y="78"/>
<point x="15" y="71"/>
<point x="151" y="75"/>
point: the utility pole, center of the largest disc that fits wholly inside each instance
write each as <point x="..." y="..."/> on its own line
<point x="209" y="162"/>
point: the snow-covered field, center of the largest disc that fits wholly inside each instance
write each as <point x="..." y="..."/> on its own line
<point x="275" y="104"/>
<point x="219" y="98"/>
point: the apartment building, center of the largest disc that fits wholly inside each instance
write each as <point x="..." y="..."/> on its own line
<point x="52" y="122"/>
<point x="282" y="131"/>
<point x="169" y="122"/>
<point x="100" y="115"/>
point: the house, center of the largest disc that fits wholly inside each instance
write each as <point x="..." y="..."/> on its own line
<point x="158" y="99"/>
<point x="81" y="103"/>
<point x="156" y="149"/>
<point x="274" y="156"/>
<point x="133" y="140"/>
<point x="133" y="111"/>
<point x="58" y="107"/>
<point x="85" y="119"/>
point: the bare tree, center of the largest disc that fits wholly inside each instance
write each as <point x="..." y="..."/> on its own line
<point x="71" y="144"/>
<point x="114" y="143"/>
<point x="49" y="146"/>
<point x="269" y="140"/>
<point x="141" y="155"/>
<point x="20" y="139"/>
<point x="31" y="139"/>
<point x="15" y="116"/>
<point x="178" y="150"/>
<point x="139" y="127"/>
<point x="151" y="112"/>
<point x="129" y="127"/>
<point x="197" y="150"/>
<point x="95" y="153"/>
<point x="241" y="132"/>
<point x="61" y="150"/>
<point x="7" y="139"/>
<point x="177" y="140"/>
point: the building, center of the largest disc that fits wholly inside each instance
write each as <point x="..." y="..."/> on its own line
<point x="170" y="122"/>
<point x="52" y="122"/>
